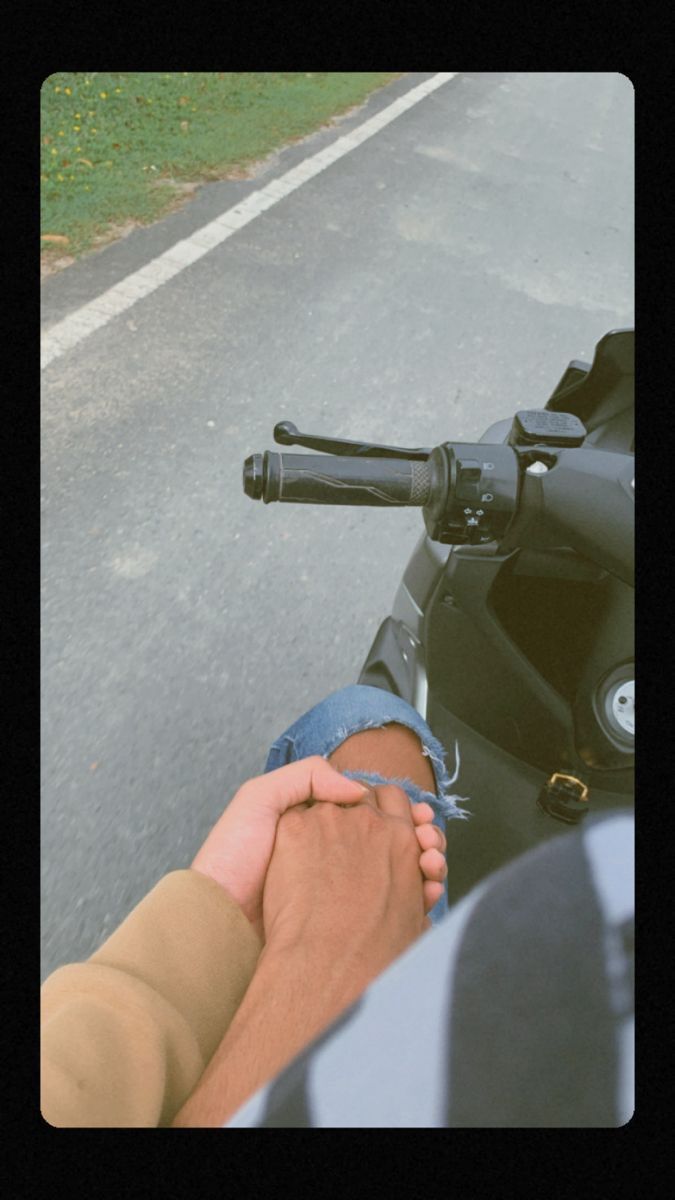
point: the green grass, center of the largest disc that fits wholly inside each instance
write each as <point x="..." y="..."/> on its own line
<point x="114" y="144"/>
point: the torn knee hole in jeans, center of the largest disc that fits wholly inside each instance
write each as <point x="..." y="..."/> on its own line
<point x="443" y="802"/>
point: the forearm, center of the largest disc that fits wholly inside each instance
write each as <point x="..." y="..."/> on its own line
<point x="294" y="994"/>
<point x="125" y="1036"/>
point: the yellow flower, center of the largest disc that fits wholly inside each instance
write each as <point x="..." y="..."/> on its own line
<point x="103" y="95"/>
<point x="56" y="89"/>
<point x="78" y="149"/>
<point x="76" y="128"/>
<point x="93" y="130"/>
<point x="60" y="178"/>
<point x="68" y="91"/>
<point x="77" y="116"/>
<point x="118" y="90"/>
<point x="91" y="114"/>
<point x="53" y="151"/>
<point x="61" y="133"/>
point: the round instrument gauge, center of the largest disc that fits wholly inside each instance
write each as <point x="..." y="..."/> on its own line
<point x="622" y="706"/>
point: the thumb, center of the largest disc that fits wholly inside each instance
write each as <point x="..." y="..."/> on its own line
<point x="307" y="779"/>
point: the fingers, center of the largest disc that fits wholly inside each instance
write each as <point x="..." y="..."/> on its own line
<point x="433" y="865"/>
<point x="430" y="837"/>
<point x="307" y="779"/>
<point x="432" y="842"/>
<point x="301" y="784"/>
<point x="422" y="813"/>
<point x="432" y="894"/>
<point x="393" y="801"/>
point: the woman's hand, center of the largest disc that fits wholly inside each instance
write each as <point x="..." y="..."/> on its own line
<point x="237" y="851"/>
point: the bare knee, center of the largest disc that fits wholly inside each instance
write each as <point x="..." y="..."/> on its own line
<point x="393" y="751"/>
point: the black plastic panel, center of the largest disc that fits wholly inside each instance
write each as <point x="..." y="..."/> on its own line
<point x="477" y="671"/>
<point x="597" y="395"/>
<point x="385" y="666"/>
<point x="501" y="793"/>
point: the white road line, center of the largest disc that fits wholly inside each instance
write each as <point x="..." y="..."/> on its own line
<point x="97" y="313"/>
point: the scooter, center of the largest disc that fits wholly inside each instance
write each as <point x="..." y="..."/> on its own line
<point x="512" y="628"/>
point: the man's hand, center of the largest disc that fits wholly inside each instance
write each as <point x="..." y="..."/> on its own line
<point x="345" y="884"/>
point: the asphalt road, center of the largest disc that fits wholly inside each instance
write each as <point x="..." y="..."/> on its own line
<point x="436" y="278"/>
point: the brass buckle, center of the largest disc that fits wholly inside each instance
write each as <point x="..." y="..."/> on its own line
<point x="564" y="797"/>
<point x="570" y="779"/>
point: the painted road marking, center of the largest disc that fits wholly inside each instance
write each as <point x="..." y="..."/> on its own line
<point x="97" y="313"/>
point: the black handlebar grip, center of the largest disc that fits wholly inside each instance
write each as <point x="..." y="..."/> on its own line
<point x="326" y="479"/>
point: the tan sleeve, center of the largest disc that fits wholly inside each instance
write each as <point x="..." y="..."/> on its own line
<point x="127" y="1034"/>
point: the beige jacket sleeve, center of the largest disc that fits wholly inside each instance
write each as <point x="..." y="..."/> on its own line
<point x="127" y="1034"/>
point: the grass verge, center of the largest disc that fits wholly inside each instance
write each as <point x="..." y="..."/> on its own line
<point x="122" y="149"/>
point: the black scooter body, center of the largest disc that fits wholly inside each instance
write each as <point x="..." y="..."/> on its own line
<point x="520" y="656"/>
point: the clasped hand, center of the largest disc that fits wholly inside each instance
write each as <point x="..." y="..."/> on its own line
<point x="386" y="856"/>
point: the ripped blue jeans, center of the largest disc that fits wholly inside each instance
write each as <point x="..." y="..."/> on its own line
<point x="358" y="707"/>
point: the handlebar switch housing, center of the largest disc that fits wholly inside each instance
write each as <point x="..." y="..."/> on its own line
<point x="476" y="493"/>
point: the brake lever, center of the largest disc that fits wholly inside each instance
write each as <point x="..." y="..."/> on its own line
<point x="287" y="434"/>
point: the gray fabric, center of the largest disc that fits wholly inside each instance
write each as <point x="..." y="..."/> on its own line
<point x="532" y="1038"/>
<point x="515" y="1011"/>
<point x="380" y="1065"/>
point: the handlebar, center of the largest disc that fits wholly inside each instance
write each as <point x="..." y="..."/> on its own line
<point x="322" y="479"/>
<point x="467" y="491"/>
<point x="518" y="495"/>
